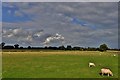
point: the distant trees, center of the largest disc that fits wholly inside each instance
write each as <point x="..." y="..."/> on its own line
<point x="8" y="47"/>
<point x="76" y="48"/>
<point x="92" y="49"/>
<point x="29" y="47"/>
<point x="16" y="46"/>
<point x="62" y="47"/>
<point x="103" y="47"/>
<point x="21" y="47"/>
<point x="69" y="47"/>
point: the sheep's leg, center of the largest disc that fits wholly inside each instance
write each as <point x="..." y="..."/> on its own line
<point x="108" y="74"/>
<point x="102" y="74"/>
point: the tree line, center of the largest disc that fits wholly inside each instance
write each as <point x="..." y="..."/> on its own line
<point x="102" y="47"/>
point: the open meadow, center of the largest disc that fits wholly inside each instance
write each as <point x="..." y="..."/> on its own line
<point x="58" y="64"/>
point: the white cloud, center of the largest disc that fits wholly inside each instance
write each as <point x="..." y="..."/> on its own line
<point x="27" y="37"/>
<point x="55" y="38"/>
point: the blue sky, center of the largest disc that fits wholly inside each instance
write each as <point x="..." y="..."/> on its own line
<point x="86" y="24"/>
<point x="9" y="15"/>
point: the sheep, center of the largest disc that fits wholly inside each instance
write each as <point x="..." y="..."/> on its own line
<point x="106" y="71"/>
<point x="91" y="64"/>
<point x="114" y="55"/>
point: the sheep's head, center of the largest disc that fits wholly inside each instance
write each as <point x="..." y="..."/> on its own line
<point x="111" y="74"/>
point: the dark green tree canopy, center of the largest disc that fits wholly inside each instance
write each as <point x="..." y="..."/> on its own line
<point x="103" y="47"/>
<point x="16" y="46"/>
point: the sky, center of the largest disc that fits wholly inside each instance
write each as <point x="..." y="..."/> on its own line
<point x="85" y="24"/>
<point x="60" y="0"/>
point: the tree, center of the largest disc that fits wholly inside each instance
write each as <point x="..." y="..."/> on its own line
<point x="9" y="47"/>
<point x="62" y="47"/>
<point x="69" y="47"/>
<point x="21" y="47"/>
<point x="103" y="47"/>
<point x="29" y="47"/>
<point x="2" y="45"/>
<point x="16" y="46"/>
<point x="76" y="48"/>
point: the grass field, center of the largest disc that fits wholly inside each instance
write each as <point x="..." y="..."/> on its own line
<point x="58" y="64"/>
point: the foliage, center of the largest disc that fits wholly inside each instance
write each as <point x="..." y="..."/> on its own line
<point x="103" y="47"/>
<point x="2" y="45"/>
<point x="16" y="46"/>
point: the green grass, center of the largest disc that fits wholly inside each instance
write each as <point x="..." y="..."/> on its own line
<point x="61" y="64"/>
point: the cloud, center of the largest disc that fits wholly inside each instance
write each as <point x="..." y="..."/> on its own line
<point x="55" y="38"/>
<point x="61" y="1"/>
<point x="21" y="36"/>
<point x="5" y="4"/>
<point x="17" y="35"/>
<point x="96" y="13"/>
<point x="38" y="33"/>
<point x="97" y="22"/>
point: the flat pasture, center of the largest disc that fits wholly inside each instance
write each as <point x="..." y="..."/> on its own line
<point x="58" y="64"/>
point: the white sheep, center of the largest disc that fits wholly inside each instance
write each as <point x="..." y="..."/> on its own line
<point x="106" y="71"/>
<point x="91" y="64"/>
<point x="114" y="55"/>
